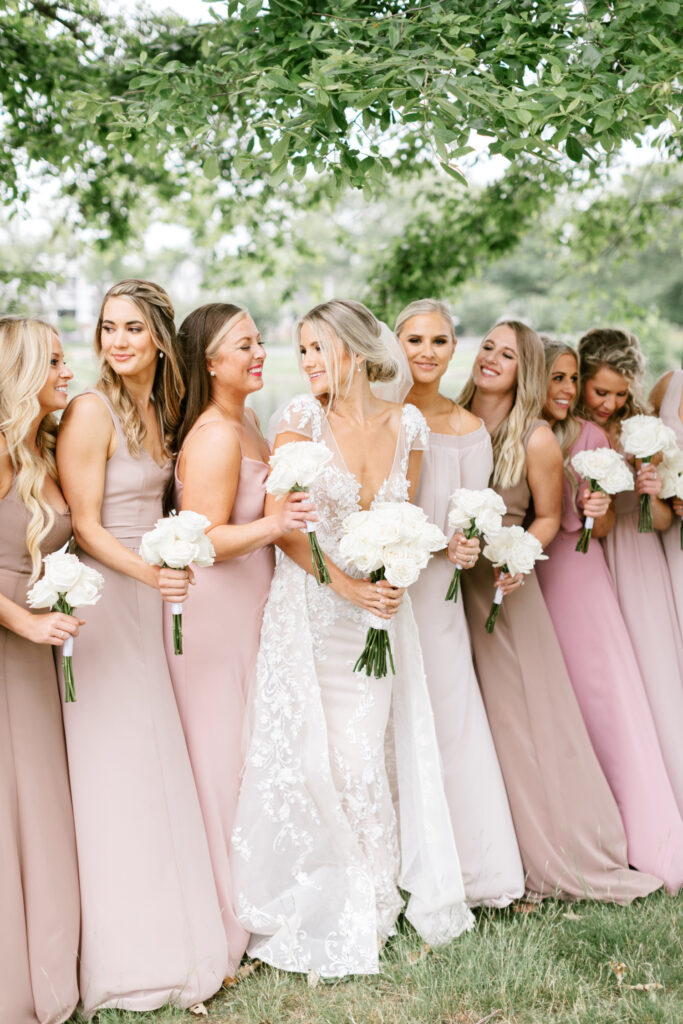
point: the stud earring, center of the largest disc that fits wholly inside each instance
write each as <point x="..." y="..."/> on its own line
<point x="358" y="366"/>
<point x="161" y="355"/>
<point x="212" y="373"/>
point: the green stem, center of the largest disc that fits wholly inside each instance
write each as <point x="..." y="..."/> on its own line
<point x="177" y="634"/>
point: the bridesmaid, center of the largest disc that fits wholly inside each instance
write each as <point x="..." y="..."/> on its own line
<point x="151" y="924"/>
<point x="38" y="875"/>
<point x="459" y="455"/>
<point x="580" y="596"/>
<point x="568" y="826"/>
<point x="612" y="368"/>
<point x="667" y="401"/>
<point x="221" y="473"/>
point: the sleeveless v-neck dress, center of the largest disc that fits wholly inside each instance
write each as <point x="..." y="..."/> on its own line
<point x="151" y="930"/>
<point x="39" y="902"/>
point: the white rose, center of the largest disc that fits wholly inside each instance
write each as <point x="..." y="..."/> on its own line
<point x="401" y="572"/>
<point x="431" y="538"/>
<point x="488" y="522"/>
<point x="458" y="520"/>
<point x="190" y="525"/>
<point x="606" y="467"/>
<point x="669" y="481"/>
<point x="42" y="594"/>
<point x="85" y="591"/>
<point x="298" y="463"/>
<point x="679" y="487"/>
<point x="62" y="570"/>
<point x="206" y="554"/>
<point x="357" y="551"/>
<point x="150" y="544"/>
<point x="178" y="554"/>
<point x="384" y="531"/>
<point x="643" y="436"/>
<point x="524" y="552"/>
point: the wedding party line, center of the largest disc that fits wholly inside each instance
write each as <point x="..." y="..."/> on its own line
<point x="268" y="688"/>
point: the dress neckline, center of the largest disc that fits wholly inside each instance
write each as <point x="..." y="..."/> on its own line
<point x="352" y="476"/>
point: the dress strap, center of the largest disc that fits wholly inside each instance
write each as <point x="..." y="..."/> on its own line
<point x="112" y="412"/>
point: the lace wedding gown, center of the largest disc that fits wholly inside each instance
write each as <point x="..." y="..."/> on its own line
<point x="323" y="840"/>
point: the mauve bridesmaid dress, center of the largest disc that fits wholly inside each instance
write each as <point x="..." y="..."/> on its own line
<point x="568" y="825"/>
<point x="671" y="539"/>
<point x="221" y="628"/>
<point x="151" y="930"/>
<point x="480" y="814"/>
<point x="39" y="905"/>
<point x="603" y="670"/>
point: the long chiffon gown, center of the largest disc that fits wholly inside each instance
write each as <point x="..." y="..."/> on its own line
<point x="152" y="930"/>
<point x="221" y="627"/>
<point x="669" y="411"/>
<point x="603" y="670"/>
<point x="568" y="825"/>
<point x="646" y="598"/>
<point x="480" y="814"/>
<point x="38" y="874"/>
<point x="319" y="851"/>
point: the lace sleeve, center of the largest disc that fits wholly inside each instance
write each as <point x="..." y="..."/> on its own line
<point x="303" y="415"/>
<point x="416" y="429"/>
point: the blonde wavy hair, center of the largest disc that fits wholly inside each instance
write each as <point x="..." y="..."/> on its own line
<point x="566" y="431"/>
<point x="422" y="307"/>
<point x="509" y="453"/>
<point x="619" y="351"/>
<point x="25" y="354"/>
<point x="157" y="313"/>
<point x="359" y="332"/>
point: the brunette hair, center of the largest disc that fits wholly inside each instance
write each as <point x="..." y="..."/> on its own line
<point x="509" y="453"/>
<point x="619" y="351"/>
<point x="157" y="313"/>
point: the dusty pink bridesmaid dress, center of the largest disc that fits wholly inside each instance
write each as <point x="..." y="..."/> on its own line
<point x="671" y="538"/>
<point x="603" y="670"/>
<point x="39" y="905"/>
<point x="568" y="825"/>
<point x="643" y="585"/>
<point x="221" y="628"/>
<point x="477" y="801"/>
<point x="152" y="930"/>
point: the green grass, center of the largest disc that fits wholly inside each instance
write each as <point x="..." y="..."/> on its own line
<point x="552" y="965"/>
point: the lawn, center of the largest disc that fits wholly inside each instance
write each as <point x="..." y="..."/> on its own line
<point x="558" y="963"/>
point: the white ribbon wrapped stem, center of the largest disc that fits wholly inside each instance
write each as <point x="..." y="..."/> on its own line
<point x="68" y="647"/>
<point x="589" y="522"/>
<point x="311" y="527"/>
<point x="176" y="608"/>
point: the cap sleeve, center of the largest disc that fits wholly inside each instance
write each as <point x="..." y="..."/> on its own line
<point x="416" y="429"/>
<point x="303" y="415"/>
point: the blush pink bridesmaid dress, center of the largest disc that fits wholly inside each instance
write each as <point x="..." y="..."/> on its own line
<point x="152" y="931"/>
<point x="671" y="539"/>
<point x="603" y="670"/>
<point x="221" y="628"/>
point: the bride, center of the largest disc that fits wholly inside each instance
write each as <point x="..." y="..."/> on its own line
<point x="323" y="839"/>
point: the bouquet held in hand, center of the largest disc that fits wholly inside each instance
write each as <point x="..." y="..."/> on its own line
<point x="66" y="584"/>
<point x="474" y="514"/>
<point x="515" y="551"/>
<point x="295" y="467"/>
<point x="671" y="472"/>
<point x="391" y="541"/>
<point x="175" y="543"/>
<point x="606" y="471"/>
<point x="644" y="437"/>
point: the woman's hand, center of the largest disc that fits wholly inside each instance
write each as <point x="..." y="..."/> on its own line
<point x="379" y="598"/>
<point x="463" y="552"/>
<point x="648" y="480"/>
<point x="678" y="506"/>
<point x="507" y="583"/>
<point x="173" y="583"/>
<point x="294" y="512"/>
<point x="596" y="504"/>
<point x="53" y="628"/>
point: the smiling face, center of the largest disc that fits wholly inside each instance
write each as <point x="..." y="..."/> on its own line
<point x="562" y="388"/>
<point x="127" y="344"/>
<point x="429" y="345"/>
<point x="53" y="395"/>
<point x="314" y="363"/>
<point x="604" y="394"/>
<point x="238" y="360"/>
<point x="495" y="364"/>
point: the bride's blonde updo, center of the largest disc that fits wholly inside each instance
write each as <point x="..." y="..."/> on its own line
<point x="352" y="325"/>
<point x="25" y="353"/>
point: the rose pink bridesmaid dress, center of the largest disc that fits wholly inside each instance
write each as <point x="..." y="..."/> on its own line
<point x="671" y="538"/>
<point x="646" y="598"/>
<point x="39" y="902"/>
<point x="152" y="931"/>
<point x="221" y="628"/>
<point x="603" y="670"/>
<point x="568" y="825"/>
<point x="477" y="801"/>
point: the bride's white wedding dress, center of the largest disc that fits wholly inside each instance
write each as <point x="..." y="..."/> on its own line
<point x="323" y="839"/>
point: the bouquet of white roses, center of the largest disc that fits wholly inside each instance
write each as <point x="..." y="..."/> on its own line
<point x="295" y="467"/>
<point x="644" y="437"/>
<point x="392" y="541"/>
<point x="671" y="472"/>
<point x="174" y="543"/>
<point x="474" y="514"/>
<point x="513" y="550"/>
<point x="66" y="584"/>
<point x="605" y="471"/>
